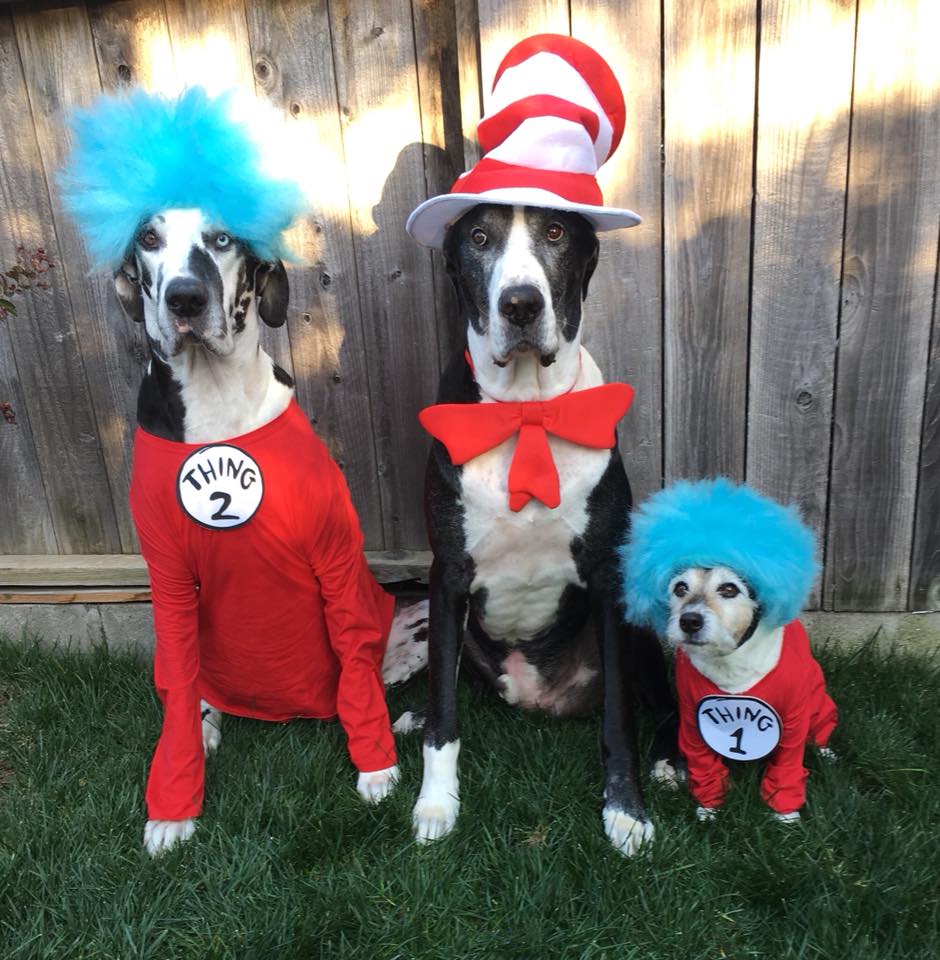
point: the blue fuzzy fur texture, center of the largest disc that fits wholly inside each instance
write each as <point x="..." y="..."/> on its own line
<point x="137" y="154"/>
<point x="717" y="523"/>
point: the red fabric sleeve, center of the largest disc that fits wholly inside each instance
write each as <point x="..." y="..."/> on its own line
<point x="176" y="780"/>
<point x="708" y="774"/>
<point x="358" y="616"/>
<point x="810" y="716"/>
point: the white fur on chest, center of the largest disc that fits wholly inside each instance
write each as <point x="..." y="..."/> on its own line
<point x="523" y="559"/>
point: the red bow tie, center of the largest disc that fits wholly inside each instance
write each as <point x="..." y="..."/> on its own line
<point x="586" y="417"/>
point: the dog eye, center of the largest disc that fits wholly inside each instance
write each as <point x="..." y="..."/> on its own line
<point x="681" y="588"/>
<point x="555" y="232"/>
<point x="478" y="236"/>
<point x="728" y="590"/>
<point x="149" y="240"/>
<point x="222" y="241"/>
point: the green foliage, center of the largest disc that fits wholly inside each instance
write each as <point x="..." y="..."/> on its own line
<point x="288" y="863"/>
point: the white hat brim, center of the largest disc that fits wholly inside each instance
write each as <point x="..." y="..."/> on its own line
<point x="429" y="221"/>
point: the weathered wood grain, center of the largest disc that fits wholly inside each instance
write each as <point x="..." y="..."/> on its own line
<point x="467" y="18"/>
<point x="888" y="285"/>
<point x="925" y="557"/>
<point x="25" y="521"/>
<point x="804" y="105"/>
<point x="290" y="41"/>
<point x="709" y="52"/>
<point x="74" y="572"/>
<point x="45" y="345"/>
<point x="132" y="44"/>
<point x="377" y="85"/>
<point x="435" y="30"/>
<point x="623" y="313"/>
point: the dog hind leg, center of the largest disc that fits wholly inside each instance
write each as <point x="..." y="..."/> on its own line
<point x="407" y="650"/>
<point x="211" y="727"/>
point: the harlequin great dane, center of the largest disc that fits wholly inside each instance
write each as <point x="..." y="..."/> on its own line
<point x="531" y="596"/>
<point x="201" y="294"/>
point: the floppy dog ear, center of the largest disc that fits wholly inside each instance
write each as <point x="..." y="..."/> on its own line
<point x="273" y="292"/>
<point x="129" y="294"/>
<point x="589" y="269"/>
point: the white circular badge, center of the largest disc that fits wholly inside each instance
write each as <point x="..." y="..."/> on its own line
<point x="739" y="728"/>
<point x="220" y="486"/>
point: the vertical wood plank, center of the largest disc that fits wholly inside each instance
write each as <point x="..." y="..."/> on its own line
<point x="132" y="44"/>
<point x="804" y="103"/>
<point x="623" y="313"/>
<point x="709" y="52"/>
<point x="467" y="18"/>
<point x="291" y="39"/>
<point x="435" y="31"/>
<point x="377" y="86"/>
<point x="888" y="285"/>
<point x="77" y="420"/>
<point x="925" y="559"/>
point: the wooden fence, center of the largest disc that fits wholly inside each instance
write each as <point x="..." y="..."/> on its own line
<point x="776" y="311"/>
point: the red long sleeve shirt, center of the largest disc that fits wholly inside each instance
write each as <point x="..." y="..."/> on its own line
<point x="263" y="603"/>
<point x="795" y="690"/>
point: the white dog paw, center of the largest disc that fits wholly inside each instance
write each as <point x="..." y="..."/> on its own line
<point x="667" y="774"/>
<point x="408" y="722"/>
<point x="375" y="786"/>
<point x="211" y="727"/>
<point x="626" y="833"/>
<point x="787" y="817"/>
<point x="705" y="814"/>
<point x="507" y="689"/>
<point x="407" y="649"/>
<point x="162" y="835"/>
<point x="828" y="754"/>
<point x="434" y="817"/>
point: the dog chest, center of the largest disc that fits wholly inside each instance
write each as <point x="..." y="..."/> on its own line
<point x="523" y="559"/>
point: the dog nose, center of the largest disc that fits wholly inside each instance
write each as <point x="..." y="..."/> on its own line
<point x="186" y="296"/>
<point x="521" y="305"/>
<point x="691" y="622"/>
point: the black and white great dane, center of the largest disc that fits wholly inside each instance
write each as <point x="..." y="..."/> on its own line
<point x="200" y="294"/>
<point x="532" y="596"/>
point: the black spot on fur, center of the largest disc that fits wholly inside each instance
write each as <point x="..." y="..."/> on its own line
<point x="282" y="376"/>
<point x="417" y="623"/>
<point x="421" y="635"/>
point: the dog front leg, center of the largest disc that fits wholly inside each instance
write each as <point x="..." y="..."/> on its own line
<point x="435" y="813"/>
<point x="625" y="821"/>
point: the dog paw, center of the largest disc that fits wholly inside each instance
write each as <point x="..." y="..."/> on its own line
<point x="828" y="754"/>
<point x="162" y="835"/>
<point x="376" y="786"/>
<point x="507" y="689"/>
<point x="409" y="721"/>
<point x="211" y="728"/>
<point x="668" y="774"/>
<point x="407" y="649"/>
<point x="626" y="833"/>
<point x="434" y="817"/>
<point x="787" y="817"/>
<point x="706" y="814"/>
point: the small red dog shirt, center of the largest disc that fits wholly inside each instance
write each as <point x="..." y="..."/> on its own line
<point x="774" y="718"/>
<point x="263" y="603"/>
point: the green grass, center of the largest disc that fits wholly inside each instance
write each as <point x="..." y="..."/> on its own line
<point x="288" y="863"/>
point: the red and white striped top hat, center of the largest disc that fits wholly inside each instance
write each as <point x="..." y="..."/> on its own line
<point x="556" y="115"/>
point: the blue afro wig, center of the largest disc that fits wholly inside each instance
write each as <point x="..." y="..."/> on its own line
<point x="136" y="154"/>
<point x="716" y="523"/>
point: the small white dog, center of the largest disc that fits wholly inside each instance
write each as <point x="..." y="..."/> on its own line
<point x="723" y="572"/>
